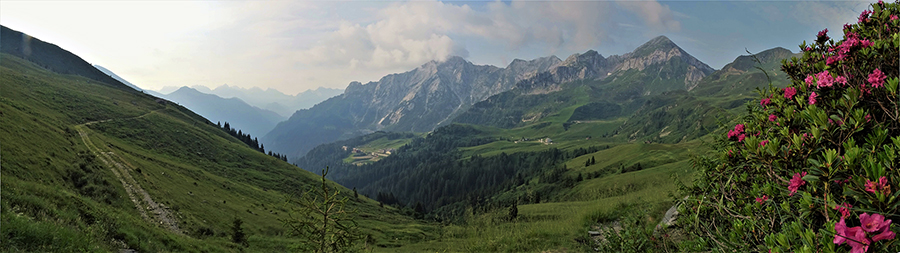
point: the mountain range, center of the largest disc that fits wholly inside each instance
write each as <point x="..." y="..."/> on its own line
<point x="499" y="143"/>
<point x="268" y="99"/>
<point x="435" y="93"/>
<point x="240" y="115"/>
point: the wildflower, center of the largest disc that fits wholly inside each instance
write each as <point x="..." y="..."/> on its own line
<point x="809" y="80"/>
<point x="741" y="137"/>
<point x="789" y="92"/>
<point x="824" y="79"/>
<point x="841" y="80"/>
<point x="844" y="209"/>
<point x="879" y="186"/>
<point x="812" y="98"/>
<point x="873" y="223"/>
<point x="864" y="16"/>
<point x="894" y="17"/>
<point x="762" y="199"/>
<point x="876" y="224"/>
<point x="868" y="118"/>
<point x="831" y="60"/>
<point x="739" y="128"/>
<point x="763" y="143"/>
<point x="733" y="133"/>
<point x="857" y="237"/>
<point x="876" y="78"/>
<point x="772" y="117"/>
<point x="823" y="33"/>
<point x="765" y="101"/>
<point x="865" y="43"/>
<point x="796" y="182"/>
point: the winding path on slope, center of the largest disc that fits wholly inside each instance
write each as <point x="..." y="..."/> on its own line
<point x="158" y="213"/>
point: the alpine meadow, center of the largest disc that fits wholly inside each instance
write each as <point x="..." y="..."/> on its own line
<point x="651" y="150"/>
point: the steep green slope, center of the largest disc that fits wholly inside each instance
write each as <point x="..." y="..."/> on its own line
<point x="679" y="116"/>
<point x="50" y="56"/>
<point x="89" y="166"/>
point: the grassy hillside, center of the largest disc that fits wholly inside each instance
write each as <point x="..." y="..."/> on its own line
<point x="93" y="167"/>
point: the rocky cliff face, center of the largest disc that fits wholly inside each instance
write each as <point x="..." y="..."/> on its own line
<point x="433" y="94"/>
<point x="656" y="53"/>
<point x="418" y="100"/>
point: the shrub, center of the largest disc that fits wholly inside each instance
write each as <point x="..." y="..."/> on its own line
<point x="814" y="166"/>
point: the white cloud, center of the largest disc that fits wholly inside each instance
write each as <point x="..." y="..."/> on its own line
<point x="656" y="16"/>
<point x="833" y="14"/>
<point x="297" y="45"/>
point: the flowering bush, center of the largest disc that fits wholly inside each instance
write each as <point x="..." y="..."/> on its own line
<point x="815" y="166"/>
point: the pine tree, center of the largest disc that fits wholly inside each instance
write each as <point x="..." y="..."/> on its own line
<point x="321" y="221"/>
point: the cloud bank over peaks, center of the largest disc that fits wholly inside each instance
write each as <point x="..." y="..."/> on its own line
<point x="407" y="34"/>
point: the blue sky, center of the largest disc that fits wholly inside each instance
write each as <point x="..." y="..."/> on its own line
<point x="293" y="46"/>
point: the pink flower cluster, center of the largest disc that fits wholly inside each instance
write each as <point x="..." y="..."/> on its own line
<point x="823" y="35"/>
<point x="765" y="101"/>
<point x="789" y="92"/>
<point x="844" y="48"/>
<point x="874" y="228"/>
<point x="877" y="78"/>
<point x="763" y="143"/>
<point x="772" y="117"/>
<point x="812" y="98"/>
<point x="864" y="16"/>
<point x="880" y="186"/>
<point x="762" y="199"/>
<point x="844" y="209"/>
<point x="824" y="79"/>
<point x="796" y="182"/>
<point x="738" y="132"/>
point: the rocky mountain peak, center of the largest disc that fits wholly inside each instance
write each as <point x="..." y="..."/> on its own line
<point x="587" y="58"/>
<point x="660" y="43"/>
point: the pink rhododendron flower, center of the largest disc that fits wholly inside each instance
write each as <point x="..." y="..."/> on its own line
<point x="741" y="137"/>
<point x="824" y="79"/>
<point x="762" y="199"/>
<point x="865" y="43"/>
<point x="879" y="186"/>
<point x="841" y="80"/>
<point x="894" y="17"/>
<point x="872" y="223"/>
<point x="877" y="78"/>
<point x="859" y="244"/>
<point x="840" y="230"/>
<point x="809" y="80"/>
<point x="812" y="98"/>
<point x="732" y="134"/>
<point x="763" y="143"/>
<point x="739" y="128"/>
<point x="864" y="16"/>
<point x="772" y="117"/>
<point x="831" y="60"/>
<point x="796" y="182"/>
<point x="823" y="33"/>
<point x="844" y="209"/>
<point x="765" y="101"/>
<point x="876" y="224"/>
<point x="789" y="92"/>
<point x="854" y="236"/>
